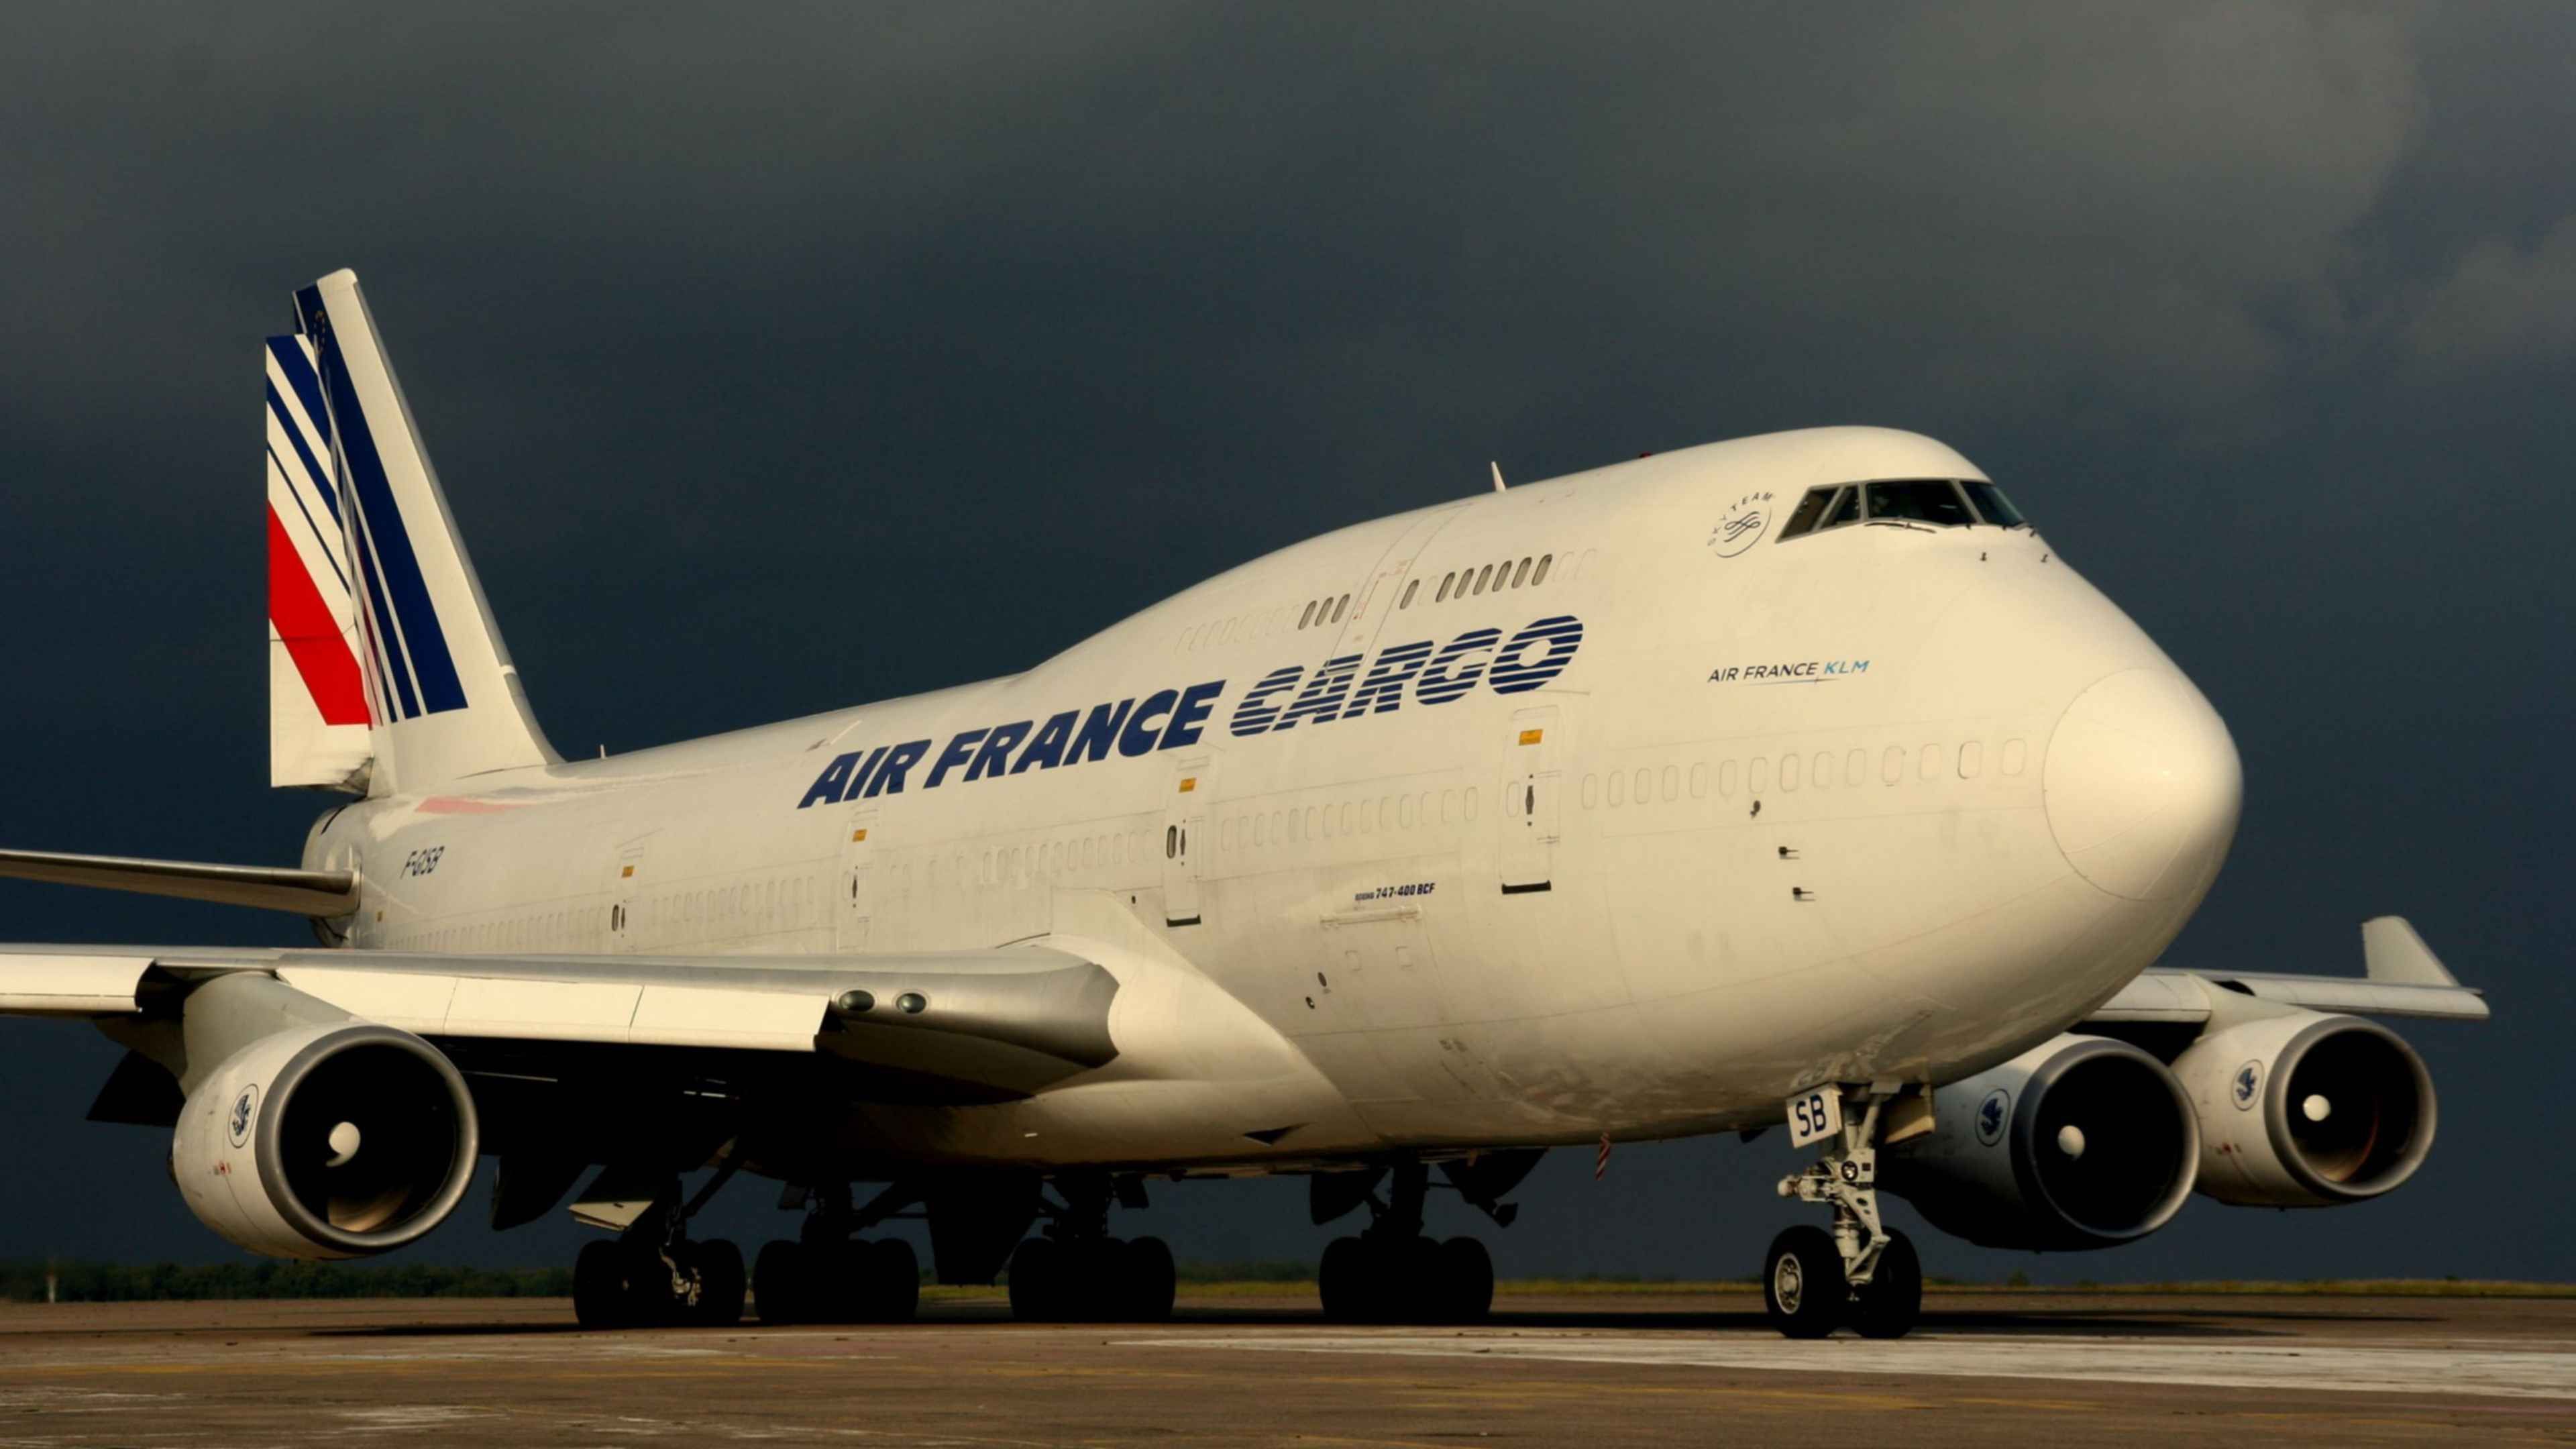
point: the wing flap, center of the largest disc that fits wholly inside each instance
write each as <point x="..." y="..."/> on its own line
<point x="71" y="984"/>
<point x="1012" y="1020"/>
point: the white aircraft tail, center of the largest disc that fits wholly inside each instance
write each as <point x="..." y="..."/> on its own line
<point x="386" y="671"/>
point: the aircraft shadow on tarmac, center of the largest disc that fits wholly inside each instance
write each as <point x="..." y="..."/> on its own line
<point x="2070" y="1321"/>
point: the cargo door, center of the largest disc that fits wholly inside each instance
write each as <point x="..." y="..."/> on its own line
<point x="1528" y="818"/>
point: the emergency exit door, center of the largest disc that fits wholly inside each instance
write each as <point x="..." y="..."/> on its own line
<point x="1530" y="792"/>
<point x="858" y="882"/>
<point x="1184" y="842"/>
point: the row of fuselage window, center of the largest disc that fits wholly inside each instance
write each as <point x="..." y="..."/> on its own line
<point x="1822" y="770"/>
<point x="1530" y="571"/>
<point x="1362" y="815"/>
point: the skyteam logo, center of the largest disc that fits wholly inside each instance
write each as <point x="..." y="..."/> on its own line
<point x="1742" y="526"/>
<point x="245" y="1107"/>
<point x="2246" y="1085"/>
<point x="1992" y="1113"/>
<point x="1341" y="688"/>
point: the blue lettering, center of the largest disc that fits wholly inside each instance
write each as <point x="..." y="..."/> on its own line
<point x="827" y="787"/>
<point x="1196" y="703"/>
<point x="1439" y="685"/>
<point x="1099" y="731"/>
<point x="1047" y="750"/>
<point x="867" y="772"/>
<point x="1383" y="690"/>
<point x="997" y="746"/>
<point x="1255" y="714"/>
<point x="959" y="751"/>
<point x="1514" y="673"/>
<point x="1321" y="699"/>
<point x="888" y="780"/>
<point x="1139" y="737"/>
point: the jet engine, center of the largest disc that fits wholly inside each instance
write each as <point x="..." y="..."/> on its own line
<point x="2307" y="1110"/>
<point x="2080" y="1142"/>
<point x="332" y="1140"/>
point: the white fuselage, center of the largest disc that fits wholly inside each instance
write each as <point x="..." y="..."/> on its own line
<point x="1881" y="803"/>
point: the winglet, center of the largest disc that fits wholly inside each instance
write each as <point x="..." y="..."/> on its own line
<point x="2391" y="952"/>
<point x="1498" y="476"/>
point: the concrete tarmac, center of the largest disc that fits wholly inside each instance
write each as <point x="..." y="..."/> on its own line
<point x="1593" y="1369"/>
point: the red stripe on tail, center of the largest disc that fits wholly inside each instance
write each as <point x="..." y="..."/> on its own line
<point x="313" y="637"/>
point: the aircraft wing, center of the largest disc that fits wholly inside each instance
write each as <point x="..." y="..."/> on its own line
<point x="986" y="1024"/>
<point x="2400" y="977"/>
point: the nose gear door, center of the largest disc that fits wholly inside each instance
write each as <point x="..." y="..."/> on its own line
<point x="1529" y="814"/>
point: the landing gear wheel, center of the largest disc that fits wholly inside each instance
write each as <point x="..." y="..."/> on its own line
<point x="720" y="1284"/>
<point x="1037" y="1280"/>
<point x="1345" y="1283"/>
<point x="779" y="1287"/>
<point x="1803" y="1288"/>
<point x="894" y="1276"/>
<point x="1888" y="1305"/>
<point x="599" y="1297"/>
<point x="1465" y="1275"/>
<point x="1150" y="1279"/>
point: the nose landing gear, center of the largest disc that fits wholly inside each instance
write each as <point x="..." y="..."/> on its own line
<point x="1862" y="1273"/>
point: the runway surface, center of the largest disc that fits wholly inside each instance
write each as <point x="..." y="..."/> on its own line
<point x="1591" y="1369"/>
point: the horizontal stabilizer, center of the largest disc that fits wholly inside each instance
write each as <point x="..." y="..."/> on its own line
<point x="270" y="888"/>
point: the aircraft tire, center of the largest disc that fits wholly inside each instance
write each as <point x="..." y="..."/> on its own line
<point x="1151" y="1281"/>
<point x="1037" y="1280"/>
<point x="599" y="1285"/>
<point x="720" y="1282"/>
<point x="1803" y="1289"/>
<point x="1466" y="1280"/>
<point x="778" y="1282"/>
<point x="894" y="1276"/>
<point x="1344" y="1282"/>
<point x="1893" y="1299"/>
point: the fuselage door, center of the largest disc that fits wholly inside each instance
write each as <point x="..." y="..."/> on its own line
<point x="1528" y="816"/>
<point x="1184" y="841"/>
<point x="858" y="883"/>
<point x="625" y="897"/>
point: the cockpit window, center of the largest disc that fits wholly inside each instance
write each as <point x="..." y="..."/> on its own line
<point x="1811" y="511"/>
<point x="1992" y="503"/>
<point x="1846" y="509"/>
<point x="1935" y="503"/>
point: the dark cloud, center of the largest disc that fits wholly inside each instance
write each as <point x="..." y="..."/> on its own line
<point x="784" y="360"/>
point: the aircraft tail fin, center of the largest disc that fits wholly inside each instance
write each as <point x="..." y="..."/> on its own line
<point x="386" y="670"/>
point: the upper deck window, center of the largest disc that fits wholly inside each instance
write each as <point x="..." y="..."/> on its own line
<point x="1935" y="503"/>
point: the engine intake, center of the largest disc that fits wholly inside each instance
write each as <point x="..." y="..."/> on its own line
<point x="2307" y="1110"/>
<point x="2080" y="1142"/>
<point x="327" y="1141"/>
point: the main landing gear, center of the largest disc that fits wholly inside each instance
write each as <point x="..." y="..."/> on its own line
<point x="1391" y="1273"/>
<point x="829" y="1275"/>
<point x="1862" y="1273"/>
<point x="654" y="1276"/>
<point x="1076" y="1273"/>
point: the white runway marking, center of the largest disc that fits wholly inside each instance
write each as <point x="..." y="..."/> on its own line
<point x="2251" y="1363"/>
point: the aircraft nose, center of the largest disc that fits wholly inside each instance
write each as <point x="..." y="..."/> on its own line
<point x="2143" y="785"/>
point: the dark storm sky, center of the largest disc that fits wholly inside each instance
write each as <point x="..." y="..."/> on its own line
<point x="777" y="363"/>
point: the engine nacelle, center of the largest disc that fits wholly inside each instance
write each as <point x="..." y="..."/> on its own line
<point x="326" y="1141"/>
<point x="2307" y="1110"/>
<point x="2080" y="1142"/>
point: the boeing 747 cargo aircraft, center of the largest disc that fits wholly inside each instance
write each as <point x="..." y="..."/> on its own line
<point x="1794" y="782"/>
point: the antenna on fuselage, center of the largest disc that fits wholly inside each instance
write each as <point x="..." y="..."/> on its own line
<point x="1498" y="475"/>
